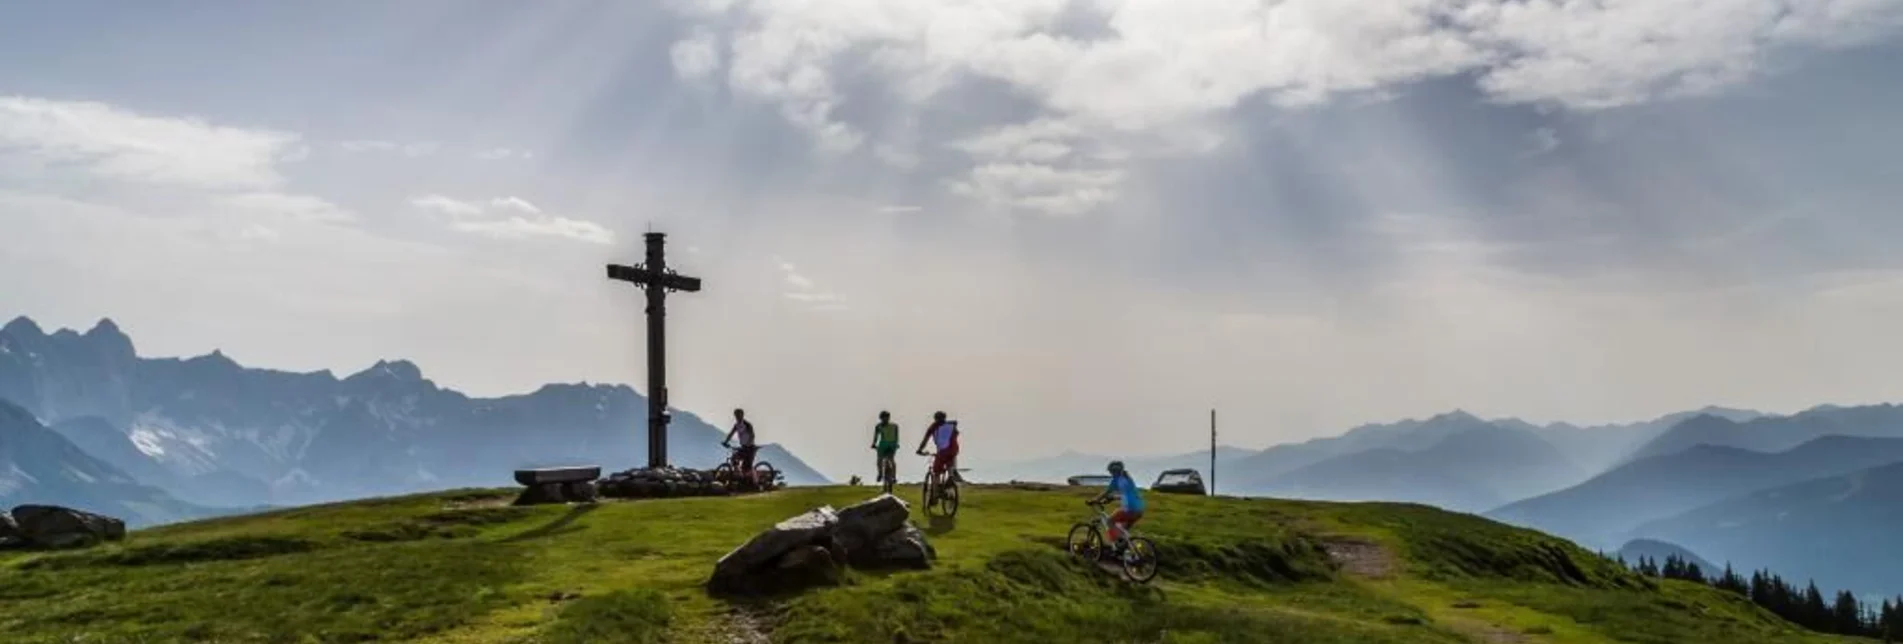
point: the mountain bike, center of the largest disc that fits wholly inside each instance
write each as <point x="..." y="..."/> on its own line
<point x="1137" y="555"/>
<point x="763" y="474"/>
<point x="888" y="473"/>
<point x="940" y="489"/>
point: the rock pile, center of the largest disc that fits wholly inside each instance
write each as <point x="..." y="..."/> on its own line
<point x="814" y="548"/>
<point x="669" y="482"/>
<point x="52" y="526"/>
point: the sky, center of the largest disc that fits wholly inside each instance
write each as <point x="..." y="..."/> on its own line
<point x="1073" y="224"/>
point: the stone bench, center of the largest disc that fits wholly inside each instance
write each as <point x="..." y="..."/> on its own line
<point x="557" y="484"/>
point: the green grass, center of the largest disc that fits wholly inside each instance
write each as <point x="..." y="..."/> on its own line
<point x="457" y="567"/>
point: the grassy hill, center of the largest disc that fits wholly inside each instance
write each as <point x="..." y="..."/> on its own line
<point x="461" y="567"/>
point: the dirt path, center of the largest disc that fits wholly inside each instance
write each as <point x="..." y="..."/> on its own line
<point x="1360" y="557"/>
<point x="742" y="626"/>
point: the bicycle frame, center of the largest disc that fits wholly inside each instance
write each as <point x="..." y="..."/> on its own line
<point x="1103" y="523"/>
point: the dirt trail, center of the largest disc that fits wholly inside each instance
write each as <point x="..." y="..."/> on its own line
<point x="742" y="626"/>
<point x="1360" y="557"/>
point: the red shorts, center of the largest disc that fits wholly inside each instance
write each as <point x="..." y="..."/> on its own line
<point x="1125" y="518"/>
<point x="945" y="459"/>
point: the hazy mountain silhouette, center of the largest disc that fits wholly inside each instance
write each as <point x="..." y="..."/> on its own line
<point x="1659" y="551"/>
<point x="1590" y="448"/>
<point x="1476" y="467"/>
<point x="37" y="465"/>
<point x="1599" y="447"/>
<point x="1406" y="435"/>
<point x="1144" y="468"/>
<point x="1602" y="512"/>
<point x="1777" y="433"/>
<point x="222" y="433"/>
<point x="1839" y="530"/>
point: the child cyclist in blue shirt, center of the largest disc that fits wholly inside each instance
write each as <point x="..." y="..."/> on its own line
<point x="1130" y="500"/>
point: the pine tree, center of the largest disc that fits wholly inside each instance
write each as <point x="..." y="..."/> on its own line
<point x="1692" y="573"/>
<point x="1647" y="567"/>
<point x="1816" y="613"/>
<point x="1890" y="621"/>
<point x="1846" y="615"/>
<point x="1732" y="582"/>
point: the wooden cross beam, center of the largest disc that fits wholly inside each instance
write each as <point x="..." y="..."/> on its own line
<point x="658" y="280"/>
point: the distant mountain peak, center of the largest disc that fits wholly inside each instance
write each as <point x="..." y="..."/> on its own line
<point x="106" y="334"/>
<point x="24" y="326"/>
<point x="1455" y="416"/>
<point x="403" y="370"/>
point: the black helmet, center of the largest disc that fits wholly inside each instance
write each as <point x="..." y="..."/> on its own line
<point x="739" y="412"/>
<point x="938" y="415"/>
<point x="1116" y="467"/>
<point x="885" y="415"/>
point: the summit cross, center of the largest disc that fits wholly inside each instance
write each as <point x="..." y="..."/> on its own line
<point x="657" y="280"/>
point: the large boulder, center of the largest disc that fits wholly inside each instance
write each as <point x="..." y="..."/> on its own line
<point x="744" y="568"/>
<point x="805" y="566"/>
<point x="906" y="547"/>
<point x="52" y="526"/>
<point x="863" y="524"/>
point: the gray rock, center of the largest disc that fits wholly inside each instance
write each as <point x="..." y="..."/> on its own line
<point x="540" y="494"/>
<point x="736" y="570"/>
<point x="863" y="524"/>
<point x="581" y="491"/>
<point x="906" y="547"/>
<point x="52" y="526"/>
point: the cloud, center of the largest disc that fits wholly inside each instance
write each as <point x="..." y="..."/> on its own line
<point x="696" y="57"/>
<point x="802" y="289"/>
<point x="514" y="203"/>
<point x="897" y="209"/>
<point x="503" y="154"/>
<point x="446" y="205"/>
<point x="115" y="143"/>
<point x="483" y="218"/>
<point x="259" y="233"/>
<point x="543" y="226"/>
<point x="1154" y="69"/>
<point x="301" y="207"/>
<point x="1542" y="141"/>
<point x="1042" y="188"/>
<point x="412" y="150"/>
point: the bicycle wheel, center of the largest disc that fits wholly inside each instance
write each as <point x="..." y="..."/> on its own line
<point x="764" y="475"/>
<point x="948" y="500"/>
<point x="925" y="493"/>
<point x="1141" y="560"/>
<point x="1084" y="542"/>
<point x="723" y="472"/>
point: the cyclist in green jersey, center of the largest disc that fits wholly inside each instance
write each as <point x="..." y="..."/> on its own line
<point x="885" y="439"/>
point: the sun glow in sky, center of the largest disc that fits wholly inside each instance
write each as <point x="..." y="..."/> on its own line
<point x="1072" y="223"/>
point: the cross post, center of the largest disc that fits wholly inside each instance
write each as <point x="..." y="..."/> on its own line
<point x="657" y="279"/>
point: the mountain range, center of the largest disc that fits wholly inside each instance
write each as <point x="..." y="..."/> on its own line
<point x="1839" y="530"/>
<point x="212" y="432"/>
<point x="1605" y="511"/>
<point x="1473" y="465"/>
<point x="37" y="465"/>
<point x="1777" y="433"/>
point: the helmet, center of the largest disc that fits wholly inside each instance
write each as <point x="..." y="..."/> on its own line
<point x="885" y="415"/>
<point x="938" y="415"/>
<point x="739" y="412"/>
<point x="1116" y="467"/>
